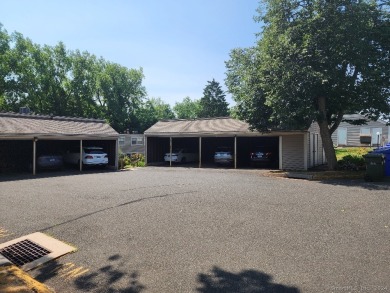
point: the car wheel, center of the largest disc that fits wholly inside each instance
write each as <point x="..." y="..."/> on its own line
<point x="183" y="160"/>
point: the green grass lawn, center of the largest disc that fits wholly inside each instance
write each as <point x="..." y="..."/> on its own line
<point x="352" y="151"/>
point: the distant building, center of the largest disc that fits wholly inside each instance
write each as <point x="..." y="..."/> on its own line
<point x="131" y="143"/>
<point x="372" y="133"/>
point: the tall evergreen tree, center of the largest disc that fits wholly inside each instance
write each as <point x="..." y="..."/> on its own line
<point x="213" y="102"/>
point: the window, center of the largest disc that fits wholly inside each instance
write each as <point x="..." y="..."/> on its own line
<point x="121" y="140"/>
<point x="365" y="131"/>
<point x="137" y="141"/>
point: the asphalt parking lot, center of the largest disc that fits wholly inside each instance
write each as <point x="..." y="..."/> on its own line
<point x="161" y="229"/>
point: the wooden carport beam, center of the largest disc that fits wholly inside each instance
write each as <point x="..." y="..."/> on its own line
<point x="200" y="152"/>
<point x="170" y="151"/>
<point x="81" y="155"/>
<point x="235" y="152"/>
<point x="34" y="165"/>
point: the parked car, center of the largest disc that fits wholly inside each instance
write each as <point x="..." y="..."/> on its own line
<point x="181" y="155"/>
<point x="49" y="161"/>
<point x="91" y="156"/>
<point x="262" y="156"/>
<point x="224" y="156"/>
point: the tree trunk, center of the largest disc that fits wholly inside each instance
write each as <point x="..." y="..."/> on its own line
<point x="325" y="133"/>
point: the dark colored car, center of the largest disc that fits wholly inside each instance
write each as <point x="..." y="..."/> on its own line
<point x="49" y="161"/>
<point x="262" y="156"/>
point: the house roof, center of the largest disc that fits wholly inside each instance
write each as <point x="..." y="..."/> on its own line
<point x="27" y="125"/>
<point x="204" y="126"/>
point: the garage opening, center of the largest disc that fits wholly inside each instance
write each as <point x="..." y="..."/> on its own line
<point x="248" y="146"/>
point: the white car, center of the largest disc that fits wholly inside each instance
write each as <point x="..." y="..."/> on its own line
<point x="92" y="156"/>
<point x="181" y="156"/>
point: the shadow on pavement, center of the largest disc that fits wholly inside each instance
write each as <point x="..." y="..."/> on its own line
<point x="52" y="174"/>
<point x="107" y="279"/>
<point x="247" y="281"/>
<point x="357" y="183"/>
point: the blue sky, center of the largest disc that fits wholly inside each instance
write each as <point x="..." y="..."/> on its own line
<point x="179" y="44"/>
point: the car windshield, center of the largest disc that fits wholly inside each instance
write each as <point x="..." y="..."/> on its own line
<point x="93" y="151"/>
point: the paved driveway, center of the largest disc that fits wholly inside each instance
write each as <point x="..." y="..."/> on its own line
<point x="161" y="229"/>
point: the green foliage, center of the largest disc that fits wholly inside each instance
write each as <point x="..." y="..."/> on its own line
<point x="54" y="80"/>
<point x="314" y="61"/>
<point x="151" y="111"/>
<point x="350" y="162"/>
<point x="352" y="151"/>
<point x="187" y="109"/>
<point x="134" y="160"/>
<point x="213" y="102"/>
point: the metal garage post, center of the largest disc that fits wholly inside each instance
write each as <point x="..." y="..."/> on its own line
<point x="235" y="152"/>
<point x="200" y="152"/>
<point x="34" y="165"/>
<point x="81" y="155"/>
<point x="170" y="151"/>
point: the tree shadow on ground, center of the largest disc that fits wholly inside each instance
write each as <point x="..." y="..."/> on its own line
<point x="107" y="279"/>
<point x="360" y="183"/>
<point x="247" y="281"/>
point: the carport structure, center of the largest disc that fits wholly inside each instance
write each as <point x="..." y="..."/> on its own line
<point x="297" y="150"/>
<point x="24" y="136"/>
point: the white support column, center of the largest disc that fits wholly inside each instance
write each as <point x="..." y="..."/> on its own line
<point x="34" y="165"/>
<point x="81" y="155"/>
<point x="235" y="152"/>
<point x="146" y="150"/>
<point x="200" y="152"/>
<point x="305" y="149"/>
<point x="117" y="154"/>
<point x="280" y="153"/>
<point x="170" y="151"/>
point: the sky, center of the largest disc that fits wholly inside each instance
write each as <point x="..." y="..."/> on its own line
<point x="179" y="44"/>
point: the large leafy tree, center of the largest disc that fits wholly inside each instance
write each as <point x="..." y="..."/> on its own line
<point x="187" y="109"/>
<point x="315" y="61"/>
<point x="150" y="111"/>
<point x="213" y="102"/>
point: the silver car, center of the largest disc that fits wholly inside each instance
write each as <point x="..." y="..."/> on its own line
<point x="224" y="156"/>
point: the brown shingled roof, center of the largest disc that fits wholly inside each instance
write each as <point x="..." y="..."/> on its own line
<point x="12" y="124"/>
<point x="204" y="126"/>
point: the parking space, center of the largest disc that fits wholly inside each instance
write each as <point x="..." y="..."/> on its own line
<point x="200" y="230"/>
<point x="205" y="148"/>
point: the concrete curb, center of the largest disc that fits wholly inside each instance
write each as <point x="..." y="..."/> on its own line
<point x="13" y="279"/>
<point x="299" y="176"/>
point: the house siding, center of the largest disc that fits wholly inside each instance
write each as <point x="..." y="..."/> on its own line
<point x="353" y="133"/>
<point x="127" y="148"/>
<point x="292" y="155"/>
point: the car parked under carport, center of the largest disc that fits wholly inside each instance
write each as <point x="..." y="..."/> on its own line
<point x="293" y="149"/>
<point x="24" y="137"/>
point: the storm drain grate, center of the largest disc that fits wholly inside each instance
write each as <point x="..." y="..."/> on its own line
<point x="23" y="252"/>
<point x="30" y="251"/>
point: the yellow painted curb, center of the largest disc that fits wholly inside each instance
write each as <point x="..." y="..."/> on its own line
<point x="14" y="280"/>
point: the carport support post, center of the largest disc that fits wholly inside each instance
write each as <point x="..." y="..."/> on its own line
<point x="200" y="152"/>
<point x="170" y="151"/>
<point x="235" y="152"/>
<point x="34" y="165"/>
<point x="81" y="155"/>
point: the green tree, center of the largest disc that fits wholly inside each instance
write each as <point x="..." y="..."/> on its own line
<point x="316" y="61"/>
<point x="151" y="111"/>
<point x="187" y="109"/>
<point x="213" y="102"/>
<point x="119" y="93"/>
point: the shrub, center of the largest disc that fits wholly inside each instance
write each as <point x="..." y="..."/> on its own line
<point x="351" y="162"/>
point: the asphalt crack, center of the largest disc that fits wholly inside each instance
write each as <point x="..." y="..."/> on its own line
<point x="116" y="206"/>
